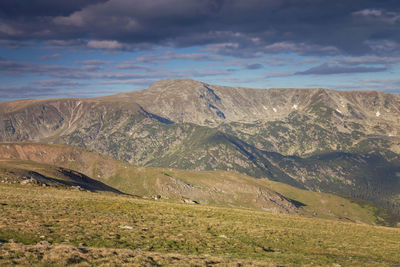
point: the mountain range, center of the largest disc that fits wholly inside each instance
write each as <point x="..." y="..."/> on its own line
<point x="342" y="142"/>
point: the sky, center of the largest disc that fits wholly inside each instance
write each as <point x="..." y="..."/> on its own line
<point x="85" y="48"/>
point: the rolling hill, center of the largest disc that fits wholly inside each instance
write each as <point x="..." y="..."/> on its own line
<point x="220" y="188"/>
<point x="39" y="174"/>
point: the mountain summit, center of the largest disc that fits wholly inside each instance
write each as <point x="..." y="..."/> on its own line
<point x="186" y="100"/>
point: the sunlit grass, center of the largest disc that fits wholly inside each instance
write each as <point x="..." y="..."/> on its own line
<point x="93" y="220"/>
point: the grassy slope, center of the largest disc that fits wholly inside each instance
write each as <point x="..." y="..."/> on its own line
<point x="324" y="205"/>
<point x="17" y="171"/>
<point x="207" y="187"/>
<point x="144" y="181"/>
<point x="193" y="233"/>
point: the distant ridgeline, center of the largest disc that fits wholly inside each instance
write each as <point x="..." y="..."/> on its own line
<point x="340" y="142"/>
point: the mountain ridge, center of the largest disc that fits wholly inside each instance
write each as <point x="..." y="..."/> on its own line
<point x="182" y="88"/>
<point x="289" y="135"/>
<point x="246" y="104"/>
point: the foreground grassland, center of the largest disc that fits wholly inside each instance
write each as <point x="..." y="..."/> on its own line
<point x="48" y="226"/>
<point x="222" y="188"/>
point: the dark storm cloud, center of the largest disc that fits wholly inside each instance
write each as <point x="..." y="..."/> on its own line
<point x="12" y="44"/>
<point x="44" y="88"/>
<point x="89" y="69"/>
<point x="24" y="91"/>
<point x="230" y="27"/>
<point x="93" y="62"/>
<point x="34" y="8"/>
<point x="19" y="68"/>
<point x="52" y="56"/>
<point x="326" y="69"/>
<point x="255" y="66"/>
<point x="387" y="61"/>
<point x="58" y="83"/>
<point x="342" y="65"/>
<point x="156" y="58"/>
<point x="383" y="85"/>
<point x="8" y="93"/>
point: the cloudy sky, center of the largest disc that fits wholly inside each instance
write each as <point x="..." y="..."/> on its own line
<point x="80" y="48"/>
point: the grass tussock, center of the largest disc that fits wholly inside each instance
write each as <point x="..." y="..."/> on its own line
<point x="48" y="226"/>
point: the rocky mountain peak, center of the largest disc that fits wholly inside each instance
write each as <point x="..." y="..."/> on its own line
<point x="175" y="85"/>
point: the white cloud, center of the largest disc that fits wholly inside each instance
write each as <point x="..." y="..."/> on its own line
<point x="75" y="19"/>
<point x="9" y="30"/>
<point x="106" y="44"/>
<point x="368" y="12"/>
<point x="389" y="17"/>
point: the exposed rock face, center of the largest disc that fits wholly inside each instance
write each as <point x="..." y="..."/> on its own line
<point x="332" y="141"/>
<point x="287" y="121"/>
<point x="196" y="102"/>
